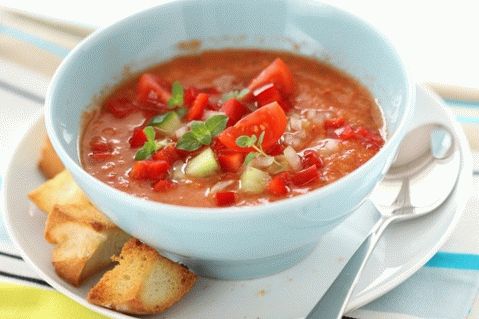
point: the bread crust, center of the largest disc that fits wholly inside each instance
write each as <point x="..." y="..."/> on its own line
<point x="49" y="162"/>
<point x="141" y="266"/>
<point x="84" y="241"/>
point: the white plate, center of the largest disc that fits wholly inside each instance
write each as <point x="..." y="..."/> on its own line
<point x="291" y="294"/>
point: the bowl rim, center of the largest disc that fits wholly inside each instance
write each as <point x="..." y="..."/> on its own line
<point x="209" y="213"/>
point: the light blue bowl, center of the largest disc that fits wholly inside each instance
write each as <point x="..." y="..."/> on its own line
<point x="236" y="242"/>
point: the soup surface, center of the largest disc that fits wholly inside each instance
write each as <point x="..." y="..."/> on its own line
<point x="231" y="127"/>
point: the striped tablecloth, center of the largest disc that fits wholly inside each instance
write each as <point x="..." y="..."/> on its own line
<point x="446" y="287"/>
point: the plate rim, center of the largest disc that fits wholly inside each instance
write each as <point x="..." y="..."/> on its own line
<point x="370" y="294"/>
<point x="366" y="296"/>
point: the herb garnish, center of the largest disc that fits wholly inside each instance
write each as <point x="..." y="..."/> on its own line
<point x="150" y="146"/>
<point x="159" y="119"/>
<point x="181" y="111"/>
<point x="254" y="142"/>
<point x="202" y="133"/>
<point x="177" y="93"/>
<point x="236" y="94"/>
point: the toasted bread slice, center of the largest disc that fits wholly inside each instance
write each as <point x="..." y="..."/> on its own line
<point x="49" y="163"/>
<point x="85" y="241"/>
<point x="144" y="282"/>
<point x="59" y="190"/>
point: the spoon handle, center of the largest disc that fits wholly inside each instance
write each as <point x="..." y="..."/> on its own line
<point x="335" y="300"/>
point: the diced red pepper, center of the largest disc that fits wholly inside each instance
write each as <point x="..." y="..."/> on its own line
<point x="376" y="139"/>
<point x="310" y="157"/>
<point x="371" y="138"/>
<point x="152" y="170"/>
<point x="198" y="107"/>
<point x="277" y="73"/>
<point x="151" y="88"/>
<point x="120" y="106"/>
<point x="275" y="149"/>
<point x="278" y="185"/>
<point x="190" y="95"/>
<point x="99" y="144"/>
<point x="234" y="110"/>
<point x="168" y="154"/>
<point x="139" y="170"/>
<point x="361" y="131"/>
<point x="138" y="138"/>
<point x="269" y="93"/>
<point x="305" y="176"/>
<point x="344" y="133"/>
<point x="163" y="185"/>
<point x="230" y="161"/>
<point x="334" y="123"/>
<point x="225" y="198"/>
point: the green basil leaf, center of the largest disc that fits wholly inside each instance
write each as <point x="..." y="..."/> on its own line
<point x="235" y="94"/>
<point x="216" y="124"/>
<point x="201" y="132"/>
<point x="188" y="142"/>
<point x="141" y="154"/>
<point x="149" y="133"/>
<point x="159" y="119"/>
<point x="246" y="141"/>
<point x="146" y="151"/>
<point x="242" y="93"/>
<point x="251" y="156"/>
<point x="177" y="93"/>
<point x="181" y="111"/>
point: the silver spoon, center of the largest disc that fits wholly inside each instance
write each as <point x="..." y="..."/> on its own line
<point x="419" y="181"/>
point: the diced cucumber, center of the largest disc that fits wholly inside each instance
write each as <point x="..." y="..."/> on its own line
<point x="203" y="164"/>
<point x="167" y="123"/>
<point x="254" y="180"/>
<point x="279" y="165"/>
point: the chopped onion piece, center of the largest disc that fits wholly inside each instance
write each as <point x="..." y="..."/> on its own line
<point x="329" y="146"/>
<point x="296" y="123"/>
<point x="178" y="170"/>
<point x="181" y="131"/>
<point x="220" y="186"/>
<point x="311" y="114"/>
<point x="262" y="161"/>
<point x="293" y="158"/>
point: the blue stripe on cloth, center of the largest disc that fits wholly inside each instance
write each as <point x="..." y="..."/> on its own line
<point x="431" y="293"/>
<point x="454" y="261"/>
<point x="36" y="41"/>
<point x="464" y="104"/>
<point x="467" y="119"/>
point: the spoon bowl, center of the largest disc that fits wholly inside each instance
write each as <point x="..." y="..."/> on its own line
<point x="422" y="177"/>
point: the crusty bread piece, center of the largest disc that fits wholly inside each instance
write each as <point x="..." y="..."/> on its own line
<point x="59" y="190"/>
<point x="49" y="163"/>
<point x="85" y="241"/>
<point x="144" y="282"/>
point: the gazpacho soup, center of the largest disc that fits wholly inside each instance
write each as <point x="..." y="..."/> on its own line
<point x="231" y="127"/>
